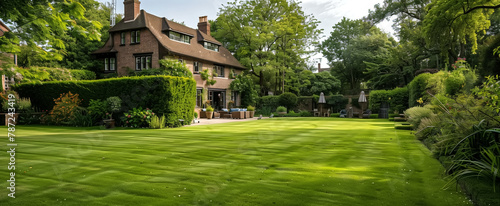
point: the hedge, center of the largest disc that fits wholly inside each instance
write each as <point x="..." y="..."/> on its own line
<point x="397" y="99"/>
<point x="417" y="89"/>
<point x="173" y="96"/>
<point x="268" y="102"/>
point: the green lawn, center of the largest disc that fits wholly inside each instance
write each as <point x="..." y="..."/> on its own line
<point x="282" y="161"/>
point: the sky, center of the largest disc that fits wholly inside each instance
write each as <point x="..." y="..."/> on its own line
<point x="329" y="12"/>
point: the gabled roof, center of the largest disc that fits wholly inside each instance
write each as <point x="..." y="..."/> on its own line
<point x="159" y="26"/>
<point x="3" y="28"/>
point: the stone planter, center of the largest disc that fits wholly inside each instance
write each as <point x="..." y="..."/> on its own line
<point x="209" y="115"/>
<point x="109" y="123"/>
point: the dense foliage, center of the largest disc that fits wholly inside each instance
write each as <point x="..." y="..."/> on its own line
<point x="244" y="85"/>
<point x="172" y="96"/>
<point x="168" y="67"/>
<point x="41" y="74"/>
<point x="288" y="100"/>
<point x="268" y="37"/>
<point x="397" y="99"/>
<point x="42" y="24"/>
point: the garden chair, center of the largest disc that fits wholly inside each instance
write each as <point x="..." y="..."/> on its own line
<point x="343" y="113"/>
<point x="367" y="113"/>
<point x="316" y="112"/>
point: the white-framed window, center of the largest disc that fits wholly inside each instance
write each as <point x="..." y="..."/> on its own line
<point x="211" y="46"/>
<point x="197" y="67"/>
<point x="135" y="37"/>
<point x="110" y="64"/>
<point x="179" y="37"/>
<point x="143" y="62"/>
<point x="219" y="70"/>
<point x="122" y="38"/>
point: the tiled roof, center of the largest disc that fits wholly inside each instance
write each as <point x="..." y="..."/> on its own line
<point x="158" y="27"/>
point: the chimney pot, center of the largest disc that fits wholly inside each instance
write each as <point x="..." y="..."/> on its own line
<point x="203" y="25"/>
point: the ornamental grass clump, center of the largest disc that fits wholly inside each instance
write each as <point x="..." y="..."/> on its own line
<point x="157" y="122"/>
<point x="416" y="114"/>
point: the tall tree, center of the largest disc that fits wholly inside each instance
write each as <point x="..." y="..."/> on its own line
<point x="40" y="24"/>
<point x="266" y="36"/>
<point x="454" y="23"/>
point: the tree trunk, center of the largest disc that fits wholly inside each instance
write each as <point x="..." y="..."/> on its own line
<point x="261" y="82"/>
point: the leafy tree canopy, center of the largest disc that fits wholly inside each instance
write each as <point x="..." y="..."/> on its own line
<point x="266" y="35"/>
<point x="458" y="21"/>
<point x="40" y="24"/>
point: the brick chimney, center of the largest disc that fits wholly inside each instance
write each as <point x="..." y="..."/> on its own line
<point x="203" y="25"/>
<point x="132" y="9"/>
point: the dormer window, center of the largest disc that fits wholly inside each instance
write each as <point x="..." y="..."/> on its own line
<point x="211" y="46"/>
<point x="179" y="37"/>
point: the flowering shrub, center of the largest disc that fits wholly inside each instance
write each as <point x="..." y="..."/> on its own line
<point x="137" y="117"/>
<point x="64" y="109"/>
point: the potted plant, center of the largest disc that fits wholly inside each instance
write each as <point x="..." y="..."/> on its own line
<point x="114" y="105"/>
<point x="195" y="117"/>
<point x="281" y="110"/>
<point x="230" y="105"/>
<point x="209" y="112"/>
<point x="251" y="111"/>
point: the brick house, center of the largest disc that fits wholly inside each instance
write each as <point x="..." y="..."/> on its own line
<point x="6" y="57"/>
<point x="141" y="39"/>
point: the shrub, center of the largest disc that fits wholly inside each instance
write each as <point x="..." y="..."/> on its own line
<point x="305" y="113"/>
<point x="158" y="122"/>
<point x="41" y="74"/>
<point x="337" y="102"/>
<point x="250" y="108"/>
<point x="417" y="89"/>
<point x="80" y="74"/>
<point x="97" y="109"/>
<point x="268" y="101"/>
<point x="288" y="100"/>
<point x="490" y="91"/>
<point x="281" y="109"/>
<point x="21" y="105"/>
<point x="454" y="83"/>
<point x="210" y="108"/>
<point x="137" y="117"/>
<point x="264" y="111"/>
<point x="114" y="105"/>
<point x="416" y="114"/>
<point x="81" y="118"/>
<point x="173" y="96"/>
<point x="292" y="114"/>
<point x="244" y="85"/>
<point x="64" y="109"/>
<point x="168" y="67"/>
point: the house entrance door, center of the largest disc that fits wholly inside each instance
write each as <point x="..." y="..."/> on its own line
<point x="218" y="98"/>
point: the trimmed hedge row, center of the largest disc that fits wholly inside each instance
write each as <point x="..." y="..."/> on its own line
<point x="173" y="96"/>
<point x="271" y="102"/>
<point x="397" y="99"/>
